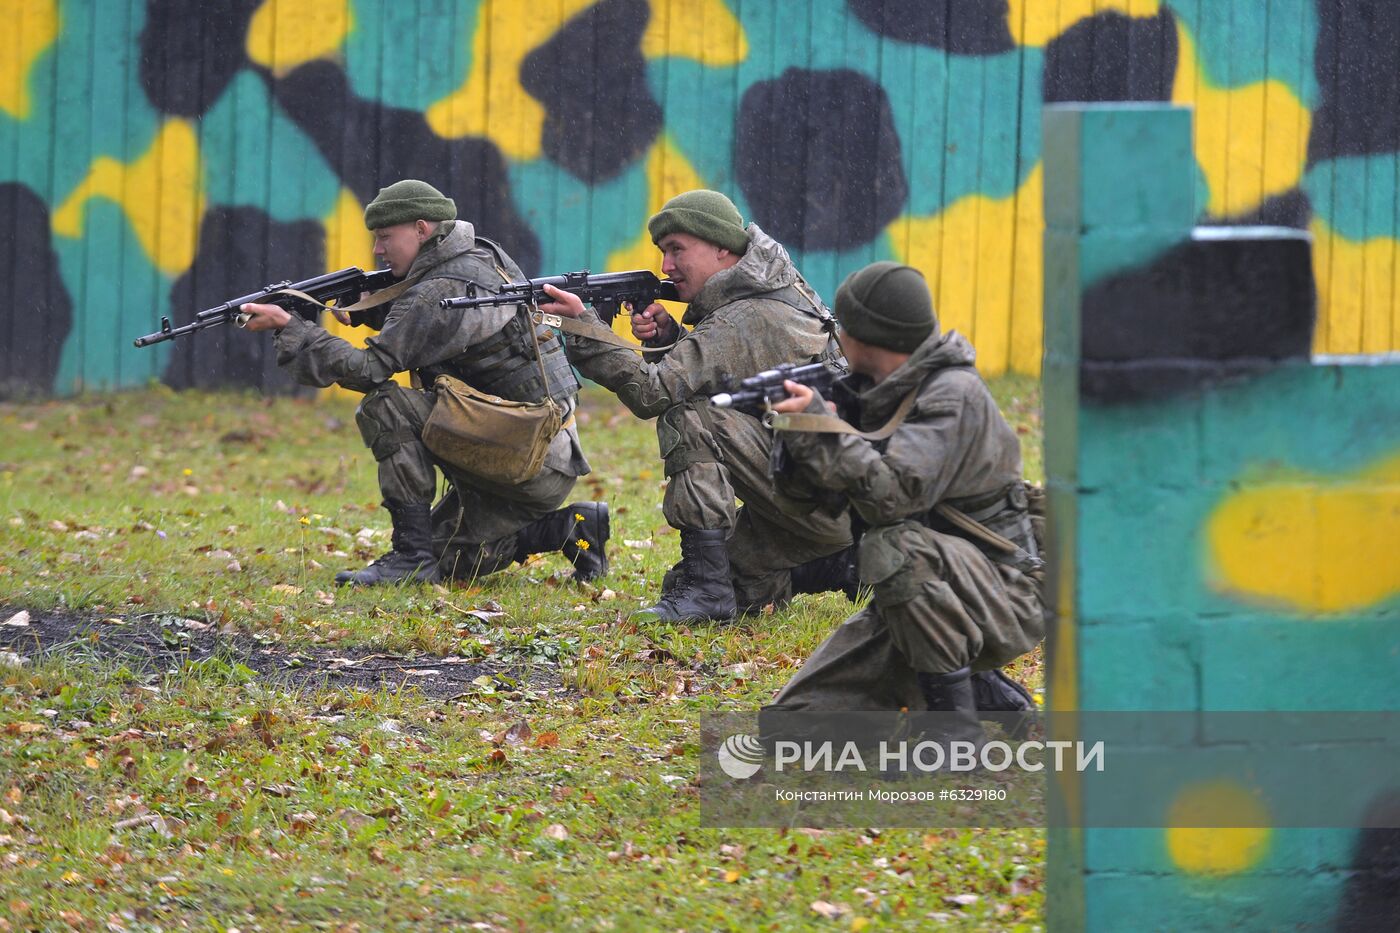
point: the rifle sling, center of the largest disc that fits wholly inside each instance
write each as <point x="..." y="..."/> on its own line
<point x="583" y="327"/>
<point x="383" y="296"/>
<point x="814" y="423"/>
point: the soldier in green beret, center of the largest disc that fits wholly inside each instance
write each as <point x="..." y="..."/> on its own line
<point x="749" y="311"/>
<point x="947" y="598"/>
<point x="478" y="526"/>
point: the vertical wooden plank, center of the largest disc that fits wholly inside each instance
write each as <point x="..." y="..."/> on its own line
<point x="958" y="276"/>
<point x="1027" y="260"/>
<point x="999" y="177"/>
<point x="76" y="143"/>
<point x="1320" y="201"/>
<point x="1378" y="251"/>
<point x="1348" y="276"/>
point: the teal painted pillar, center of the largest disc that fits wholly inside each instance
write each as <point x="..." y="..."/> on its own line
<point x="1224" y="519"/>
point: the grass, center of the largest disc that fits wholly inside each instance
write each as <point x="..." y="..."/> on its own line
<point x="205" y="797"/>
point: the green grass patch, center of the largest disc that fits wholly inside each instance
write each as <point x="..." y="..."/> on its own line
<point x="201" y="794"/>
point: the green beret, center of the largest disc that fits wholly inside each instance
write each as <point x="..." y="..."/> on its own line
<point x="405" y="201"/>
<point x="886" y="305"/>
<point x="706" y="214"/>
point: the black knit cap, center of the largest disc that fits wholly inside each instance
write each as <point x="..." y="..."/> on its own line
<point x="886" y="305"/>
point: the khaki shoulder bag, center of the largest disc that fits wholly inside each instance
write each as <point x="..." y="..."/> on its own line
<point x="497" y="439"/>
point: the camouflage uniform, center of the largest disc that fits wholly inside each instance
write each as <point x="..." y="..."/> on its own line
<point x="745" y="319"/>
<point x="476" y="523"/>
<point x="941" y="600"/>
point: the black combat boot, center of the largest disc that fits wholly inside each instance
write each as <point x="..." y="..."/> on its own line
<point x="702" y="590"/>
<point x="581" y="531"/>
<point x="1010" y="703"/>
<point x="411" y="560"/>
<point x="950" y="696"/>
<point x="834" y="573"/>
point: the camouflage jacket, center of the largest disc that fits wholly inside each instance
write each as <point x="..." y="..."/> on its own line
<point x="953" y="446"/>
<point x="416" y="334"/>
<point x="747" y="318"/>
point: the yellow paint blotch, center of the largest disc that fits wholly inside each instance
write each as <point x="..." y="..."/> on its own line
<point x="283" y="35"/>
<point x="159" y="192"/>
<point x="32" y="26"/>
<point x="983" y="262"/>
<point x="703" y="30"/>
<point x="1038" y="22"/>
<point x="1251" y="141"/>
<point x="1311" y="543"/>
<point x="1358" y="292"/>
<point x="491" y="102"/>
<point x="348" y="243"/>
<point x="1196" y="841"/>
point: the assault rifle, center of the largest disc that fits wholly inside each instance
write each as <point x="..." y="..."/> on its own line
<point x="339" y="287"/>
<point x="606" y="291"/>
<point x="756" y="393"/>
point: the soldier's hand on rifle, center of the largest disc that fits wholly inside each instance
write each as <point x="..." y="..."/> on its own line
<point x="652" y="323"/>
<point x="799" y="398"/>
<point x="264" y="317"/>
<point x="565" y="304"/>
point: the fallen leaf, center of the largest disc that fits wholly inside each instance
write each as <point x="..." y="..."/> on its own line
<point x="556" y="831"/>
<point x="962" y="900"/>
<point x="547" y="740"/>
<point x="286" y="588"/>
<point x="515" y="735"/>
<point x="18" y="620"/>
<point x="829" y="910"/>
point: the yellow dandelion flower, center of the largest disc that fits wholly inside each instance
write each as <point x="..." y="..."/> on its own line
<point x="583" y="545"/>
<point x="188" y="472"/>
<point x="578" y="516"/>
<point x="304" y="520"/>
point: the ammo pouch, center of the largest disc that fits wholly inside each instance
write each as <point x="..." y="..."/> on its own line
<point x="489" y="436"/>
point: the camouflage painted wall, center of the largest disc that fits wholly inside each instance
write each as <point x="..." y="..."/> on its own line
<point x="157" y="156"/>
<point x="1223" y="512"/>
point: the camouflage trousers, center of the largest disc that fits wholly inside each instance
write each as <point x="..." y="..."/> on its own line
<point x="476" y="522"/>
<point x="714" y="457"/>
<point x="938" y="604"/>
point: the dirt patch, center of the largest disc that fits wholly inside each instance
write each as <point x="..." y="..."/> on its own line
<point x="157" y="642"/>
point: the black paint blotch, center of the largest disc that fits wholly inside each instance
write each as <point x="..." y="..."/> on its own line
<point x="1292" y="208"/>
<point x="592" y="80"/>
<point x="818" y="158"/>
<point x="241" y="249"/>
<point x="1112" y="57"/>
<point x="1371" y="901"/>
<point x="191" y="51"/>
<point x="371" y="146"/>
<point x="1358" y="69"/>
<point x="1206" y="310"/>
<point x="963" y="27"/>
<point x="36" y="312"/>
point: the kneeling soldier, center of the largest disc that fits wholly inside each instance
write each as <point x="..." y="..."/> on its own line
<point x="946" y="598"/>
<point x="478" y="526"/>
